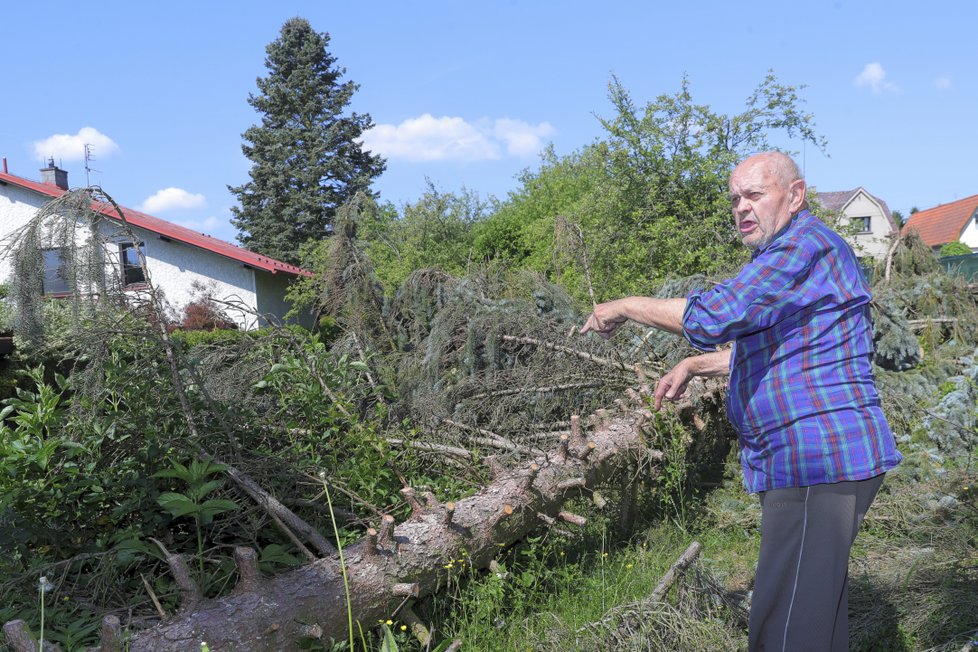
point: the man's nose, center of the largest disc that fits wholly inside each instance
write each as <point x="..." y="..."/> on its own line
<point x="742" y="206"/>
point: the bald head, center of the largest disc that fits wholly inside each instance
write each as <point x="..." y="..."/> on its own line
<point x="766" y="190"/>
<point x="781" y="166"/>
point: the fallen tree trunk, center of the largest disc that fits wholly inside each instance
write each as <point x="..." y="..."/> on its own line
<point x="393" y="565"/>
<point x="399" y="563"/>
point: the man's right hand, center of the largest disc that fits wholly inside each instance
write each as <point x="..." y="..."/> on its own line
<point x="605" y="319"/>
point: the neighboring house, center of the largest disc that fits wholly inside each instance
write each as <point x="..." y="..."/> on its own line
<point x="181" y="262"/>
<point x="947" y="223"/>
<point x="869" y="219"/>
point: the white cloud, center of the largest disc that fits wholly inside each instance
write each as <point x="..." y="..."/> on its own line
<point x="943" y="83"/>
<point x="873" y="76"/>
<point x="70" y="147"/>
<point x="206" y="225"/>
<point x="427" y="138"/>
<point x="521" y="138"/>
<point x="173" y="199"/>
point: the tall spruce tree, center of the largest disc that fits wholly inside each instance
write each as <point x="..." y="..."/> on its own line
<point x="306" y="158"/>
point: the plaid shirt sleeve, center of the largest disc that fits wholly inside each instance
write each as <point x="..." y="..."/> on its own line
<point x="778" y="282"/>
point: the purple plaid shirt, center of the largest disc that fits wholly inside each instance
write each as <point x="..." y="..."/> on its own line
<point x="802" y="395"/>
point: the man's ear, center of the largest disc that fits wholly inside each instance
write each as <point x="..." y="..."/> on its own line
<point x="796" y="195"/>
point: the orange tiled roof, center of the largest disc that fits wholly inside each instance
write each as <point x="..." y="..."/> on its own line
<point x="942" y="224"/>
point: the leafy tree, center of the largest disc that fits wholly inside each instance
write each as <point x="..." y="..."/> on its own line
<point x="306" y="157"/>
<point x="956" y="248"/>
<point x="647" y="201"/>
<point x="434" y="231"/>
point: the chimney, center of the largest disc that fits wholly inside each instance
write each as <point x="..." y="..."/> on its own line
<point x="54" y="175"/>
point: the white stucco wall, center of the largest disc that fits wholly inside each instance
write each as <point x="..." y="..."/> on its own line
<point x="185" y="273"/>
<point x="178" y="269"/>
<point x="969" y="235"/>
<point x="875" y="242"/>
<point x="17" y="207"/>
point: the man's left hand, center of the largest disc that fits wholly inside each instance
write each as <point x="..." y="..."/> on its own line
<point x="673" y="385"/>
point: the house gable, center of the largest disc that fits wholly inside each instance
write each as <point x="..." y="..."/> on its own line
<point x="856" y="206"/>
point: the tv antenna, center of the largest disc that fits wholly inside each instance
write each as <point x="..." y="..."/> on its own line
<point x="89" y="157"/>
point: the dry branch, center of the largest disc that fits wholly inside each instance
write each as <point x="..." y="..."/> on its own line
<point x="271" y="505"/>
<point x="675" y="571"/>
<point x="190" y="593"/>
<point x="625" y="617"/>
<point x="549" y="389"/>
<point x="583" y="355"/>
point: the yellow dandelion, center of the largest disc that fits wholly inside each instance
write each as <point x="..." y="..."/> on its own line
<point x="389" y="622"/>
<point x="403" y="628"/>
<point x="628" y="565"/>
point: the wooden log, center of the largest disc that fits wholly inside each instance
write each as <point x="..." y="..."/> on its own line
<point x="19" y="637"/>
<point x="279" y="612"/>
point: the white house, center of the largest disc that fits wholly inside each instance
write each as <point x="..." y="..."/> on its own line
<point x="180" y="261"/>
<point x="869" y="216"/>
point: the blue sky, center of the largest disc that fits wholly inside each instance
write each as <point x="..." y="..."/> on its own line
<point x="467" y="94"/>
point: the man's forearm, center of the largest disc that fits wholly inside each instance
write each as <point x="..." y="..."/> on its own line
<point x="714" y="363"/>
<point x="664" y="314"/>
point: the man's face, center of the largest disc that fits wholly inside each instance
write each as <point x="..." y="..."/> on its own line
<point x="761" y="205"/>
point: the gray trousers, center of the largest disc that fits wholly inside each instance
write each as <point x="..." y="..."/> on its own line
<point x="801" y="590"/>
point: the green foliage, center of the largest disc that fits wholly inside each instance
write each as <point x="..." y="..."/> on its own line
<point x="192" y="502"/>
<point x="316" y="400"/>
<point x="344" y="291"/>
<point x="436" y="231"/>
<point x="956" y="248"/>
<point x="650" y="198"/>
<point x="200" y="338"/>
<point x="6" y="310"/>
<point x="306" y="157"/>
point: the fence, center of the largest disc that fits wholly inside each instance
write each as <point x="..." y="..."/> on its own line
<point x="966" y="266"/>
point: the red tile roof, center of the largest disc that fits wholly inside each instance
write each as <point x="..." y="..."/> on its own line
<point x="942" y="224"/>
<point x="169" y="230"/>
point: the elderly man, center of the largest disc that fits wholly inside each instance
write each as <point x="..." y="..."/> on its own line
<point x="814" y="441"/>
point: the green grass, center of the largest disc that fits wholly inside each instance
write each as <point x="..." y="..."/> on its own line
<point x="914" y="578"/>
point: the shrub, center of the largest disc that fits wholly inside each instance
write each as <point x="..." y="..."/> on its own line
<point x="956" y="248"/>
